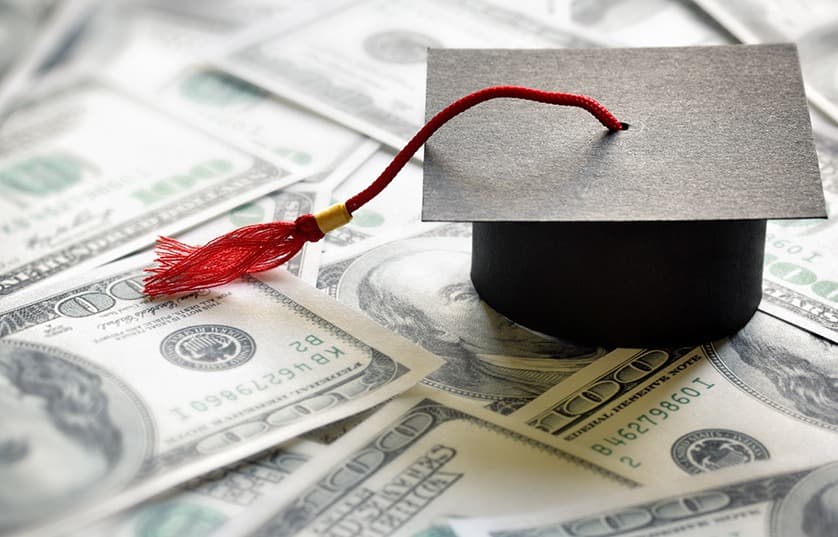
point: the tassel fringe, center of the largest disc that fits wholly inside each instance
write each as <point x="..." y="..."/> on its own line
<point x="246" y="250"/>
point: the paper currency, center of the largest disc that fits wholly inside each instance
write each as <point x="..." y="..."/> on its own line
<point x="21" y="22"/>
<point x="203" y="505"/>
<point x="110" y="398"/>
<point x="90" y="174"/>
<point x="146" y="44"/>
<point x="206" y="504"/>
<point x="423" y="458"/>
<point x="129" y="420"/>
<point x="143" y="48"/>
<point x="363" y="63"/>
<point x="662" y="414"/>
<point x="800" y="280"/>
<point x="813" y="27"/>
<point x="793" y="502"/>
<point x="639" y="23"/>
<point x="227" y="13"/>
<point x="299" y="140"/>
<point x="395" y="210"/>
<point x="420" y="288"/>
<point x="35" y="36"/>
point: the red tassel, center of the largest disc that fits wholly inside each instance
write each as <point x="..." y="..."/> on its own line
<point x="249" y="249"/>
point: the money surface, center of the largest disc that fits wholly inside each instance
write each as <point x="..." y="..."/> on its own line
<point x="227" y="13"/>
<point x="759" y="504"/>
<point x="21" y="23"/>
<point x="36" y="34"/>
<point x="142" y="47"/>
<point x="812" y="26"/>
<point x="145" y="45"/>
<point x="662" y="414"/>
<point x="423" y="458"/>
<point x="202" y="506"/>
<point x="641" y="23"/>
<point x="420" y="288"/>
<point x="800" y="279"/>
<point x="162" y="410"/>
<point x="90" y="173"/>
<point x="299" y="140"/>
<point x="363" y="63"/>
<point x="109" y="398"/>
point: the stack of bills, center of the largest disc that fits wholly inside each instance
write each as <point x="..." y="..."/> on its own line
<point x="362" y="389"/>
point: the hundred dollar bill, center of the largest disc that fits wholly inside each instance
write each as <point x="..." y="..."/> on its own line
<point x="765" y="394"/>
<point x="22" y="24"/>
<point x="297" y="139"/>
<point x="420" y="288"/>
<point x="205" y="504"/>
<point x="328" y="434"/>
<point x="201" y="506"/>
<point x="109" y="397"/>
<point x="639" y="23"/>
<point x="423" y="458"/>
<point x="800" y="280"/>
<point x="142" y="47"/>
<point x="793" y="502"/>
<point x="813" y="26"/>
<point x="146" y="44"/>
<point x="35" y="35"/>
<point x="227" y="13"/>
<point x="395" y="210"/>
<point x="89" y="174"/>
<point x="362" y="63"/>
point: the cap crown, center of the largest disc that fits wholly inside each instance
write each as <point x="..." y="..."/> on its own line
<point x="716" y="133"/>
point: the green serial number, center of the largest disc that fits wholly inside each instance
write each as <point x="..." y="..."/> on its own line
<point x="649" y="420"/>
<point x="314" y="353"/>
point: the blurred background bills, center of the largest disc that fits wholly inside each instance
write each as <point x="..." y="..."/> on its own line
<point x="363" y="389"/>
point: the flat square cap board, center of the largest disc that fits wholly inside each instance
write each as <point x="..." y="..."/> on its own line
<point x="649" y="220"/>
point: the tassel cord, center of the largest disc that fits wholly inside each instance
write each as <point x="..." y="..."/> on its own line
<point x="461" y="105"/>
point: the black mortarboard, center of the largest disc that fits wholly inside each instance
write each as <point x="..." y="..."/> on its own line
<point x="653" y="235"/>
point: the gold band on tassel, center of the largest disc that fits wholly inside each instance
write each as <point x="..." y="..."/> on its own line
<point x="332" y="217"/>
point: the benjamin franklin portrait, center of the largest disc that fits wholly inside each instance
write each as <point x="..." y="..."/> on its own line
<point x="421" y="289"/>
<point x="810" y="509"/>
<point x="796" y="370"/>
<point x="821" y="512"/>
<point x="66" y="433"/>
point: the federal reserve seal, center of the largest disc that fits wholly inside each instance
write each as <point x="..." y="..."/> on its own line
<point x="208" y="347"/>
<point x="707" y="450"/>
<point x="399" y="46"/>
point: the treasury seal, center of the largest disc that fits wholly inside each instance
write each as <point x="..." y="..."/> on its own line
<point x="208" y="347"/>
<point x="707" y="450"/>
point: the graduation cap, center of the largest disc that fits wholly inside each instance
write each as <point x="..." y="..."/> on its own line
<point x="650" y="235"/>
